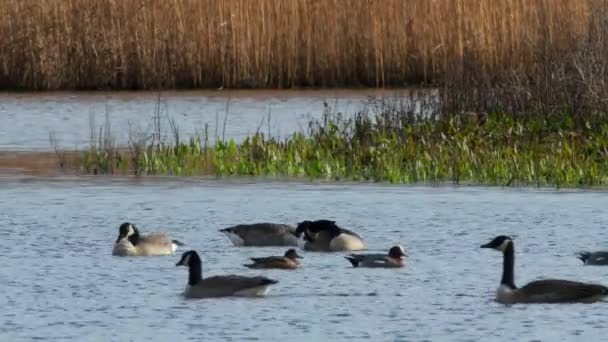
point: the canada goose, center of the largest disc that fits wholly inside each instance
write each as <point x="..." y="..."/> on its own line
<point x="288" y="261"/>
<point x="220" y="286"/>
<point x="540" y="291"/>
<point x="326" y="236"/>
<point x="594" y="258"/>
<point x="131" y="243"/>
<point x="393" y="259"/>
<point x="262" y="234"/>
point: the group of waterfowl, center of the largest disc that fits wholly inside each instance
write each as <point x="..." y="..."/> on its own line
<point x="320" y="235"/>
<point x="327" y="236"/>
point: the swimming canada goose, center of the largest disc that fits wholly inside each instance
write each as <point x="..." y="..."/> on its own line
<point x="539" y="291"/>
<point x="131" y="243"/>
<point x="326" y="236"/>
<point x="219" y="286"/>
<point x="262" y="234"/>
<point x="288" y="261"/>
<point x="594" y="258"/>
<point x="394" y="258"/>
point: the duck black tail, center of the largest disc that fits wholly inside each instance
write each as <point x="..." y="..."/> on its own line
<point x="177" y="242"/>
<point x="352" y="260"/>
<point x="267" y="281"/>
<point x="584" y="256"/>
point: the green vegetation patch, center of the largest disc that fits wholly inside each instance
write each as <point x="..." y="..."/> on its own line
<point x="389" y="147"/>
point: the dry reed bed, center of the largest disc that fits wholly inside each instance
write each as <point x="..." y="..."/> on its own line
<point x="142" y="44"/>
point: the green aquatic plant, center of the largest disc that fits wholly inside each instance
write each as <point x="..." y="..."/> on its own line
<point x="387" y="147"/>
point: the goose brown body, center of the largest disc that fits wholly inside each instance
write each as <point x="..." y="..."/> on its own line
<point x="262" y="234"/>
<point x="540" y="291"/>
<point x="131" y="243"/>
<point x="219" y="286"/>
<point x="287" y="262"/>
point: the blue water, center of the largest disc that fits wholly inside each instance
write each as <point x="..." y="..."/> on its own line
<point x="59" y="280"/>
<point x="28" y="119"/>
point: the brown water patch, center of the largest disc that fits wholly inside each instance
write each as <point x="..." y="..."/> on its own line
<point x="40" y="163"/>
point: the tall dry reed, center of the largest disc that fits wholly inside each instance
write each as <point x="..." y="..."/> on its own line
<point x="143" y="44"/>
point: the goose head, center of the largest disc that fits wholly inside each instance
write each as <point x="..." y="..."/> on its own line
<point x="126" y="230"/>
<point x="499" y="243"/>
<point x="304" y="228"/>
<point x="292" y="254"/>
<point x="188" y="258"/>
<point x="312" y="229"/>
<point x="191" y="260"/>
<point x="396" y="252"/>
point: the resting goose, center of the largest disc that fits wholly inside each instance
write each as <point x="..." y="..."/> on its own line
<point x="262" y="234"/>
<point x="219" y="286"/>
<point x="393" y="259"/>
<point x="540" y="291"/>
<point x="288" y="261"/>
<point x="326" y="236"/>
<point x="131" y="243"/>
<point x="594" y="258"/>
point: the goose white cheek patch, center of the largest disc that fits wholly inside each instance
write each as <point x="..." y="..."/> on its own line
<point x="186" y="260"/>
<point x="504" y="245"/>
<point x="131" y="231"/>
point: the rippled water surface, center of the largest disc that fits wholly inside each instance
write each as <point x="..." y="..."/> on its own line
<point x="29" y="118"/>
<point x="59" y="280"/>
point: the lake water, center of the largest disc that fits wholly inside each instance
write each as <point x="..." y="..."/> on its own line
<point x="29" y="118"/>
<point x="59" y="280"/>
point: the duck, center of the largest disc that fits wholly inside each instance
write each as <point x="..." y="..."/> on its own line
<point x="287" y="262"/>
<point x="131" y="243"/>
<point x="327" y="236"/>
<point x="539" y="291"/>
<point x="393" y="259"/>
<point x="594" y="258"/>
<point x="220" y="286"/>
<point x="262" y="234"/>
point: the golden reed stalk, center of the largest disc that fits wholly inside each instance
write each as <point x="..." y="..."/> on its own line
<point x="143" y="44"/>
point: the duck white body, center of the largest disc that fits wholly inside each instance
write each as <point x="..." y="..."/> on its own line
<point x="393" y="259"/>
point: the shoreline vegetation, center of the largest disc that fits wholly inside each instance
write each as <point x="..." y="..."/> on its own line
<point x="522" y="86"/>
<point x="388" y="142"/>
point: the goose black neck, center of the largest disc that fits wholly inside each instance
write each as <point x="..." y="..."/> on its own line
<point x="195" y="271"/>
<point x="507" y="267"/>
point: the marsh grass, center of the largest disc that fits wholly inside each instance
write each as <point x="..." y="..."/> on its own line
<point x="145" y="44"/>
<point x="388" y="143"/>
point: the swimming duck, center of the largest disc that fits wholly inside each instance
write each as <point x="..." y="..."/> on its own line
<point x="393" y="259"/>
<point x="539" y="291"/>
<point x="326" y="236"/>
<point x="219" y="286"/>
<point x="288" y="261"/>
<point x="262" y="234"/>
<point x="594" y="258"/>
<point x="131" y="243"/>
